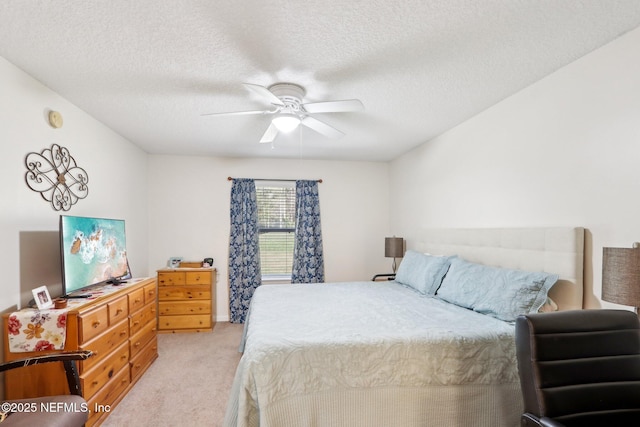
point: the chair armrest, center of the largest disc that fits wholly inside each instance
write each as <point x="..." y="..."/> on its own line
<point x="68" y="359"/>
<point x="388" y="276"/>
<point x="549" y="422"/>
<point x="50" y="357"/>
<point x="530" y="420"/>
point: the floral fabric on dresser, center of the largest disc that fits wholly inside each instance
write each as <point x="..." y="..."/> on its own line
<point x="35" y="330"/>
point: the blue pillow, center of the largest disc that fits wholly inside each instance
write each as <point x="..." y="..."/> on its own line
<point x="499" y="292"/>
<point x="422" y="272"/>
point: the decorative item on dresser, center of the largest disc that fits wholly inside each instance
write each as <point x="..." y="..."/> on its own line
<point x="118" y="324"/>
<point x="186" y="298"/>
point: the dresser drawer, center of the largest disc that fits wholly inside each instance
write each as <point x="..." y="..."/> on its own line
<point x="136" y="300"/>
<point x="107" y="395"/>
<point x="197" y="321"/>
<point x="93" y="323"/>
<point x="198" y="278"/>
<point x="184" y="307"/>
<point x="171" y="279"/>
<point x="94" y="379"/>
<point x="150" y="293"/>
<point x="103" y="345"/>
<point x="118" y="310"/>
<point x="141" y="318"/>
<point x="138" y="341"/>
<point x="147" y="355"/>
<point x="184" y="292"/>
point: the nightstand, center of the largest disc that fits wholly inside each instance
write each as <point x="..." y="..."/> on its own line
<point x="383" y="277"/>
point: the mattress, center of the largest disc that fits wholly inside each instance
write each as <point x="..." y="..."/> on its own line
<point x="371" y="354"/>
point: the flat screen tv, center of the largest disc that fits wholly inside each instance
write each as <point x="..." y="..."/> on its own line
<point x="93" y="251"/>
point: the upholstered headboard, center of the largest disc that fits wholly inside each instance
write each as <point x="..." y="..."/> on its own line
<point x="553" y="250"/>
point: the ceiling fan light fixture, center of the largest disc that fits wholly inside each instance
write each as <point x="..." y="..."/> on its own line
<point x="286" y="122"/>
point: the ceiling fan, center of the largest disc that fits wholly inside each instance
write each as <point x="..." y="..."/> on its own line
<point x="290" y="111"/>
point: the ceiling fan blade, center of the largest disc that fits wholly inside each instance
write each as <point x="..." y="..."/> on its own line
<point x="270" y="134"/>
<point x="334" y="106"/>
<point x="321" y="127"/>
<point x="239" y="113"/>
<point x="263" y="92"/>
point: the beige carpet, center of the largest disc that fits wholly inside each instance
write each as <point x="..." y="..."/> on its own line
<point x="187" y="385"/>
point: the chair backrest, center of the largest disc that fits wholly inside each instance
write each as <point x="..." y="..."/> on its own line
<point x="580" y="367"/>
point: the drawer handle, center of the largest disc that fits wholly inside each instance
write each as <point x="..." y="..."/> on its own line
<point x="94" y="382"/>
<point x="137" y="300"/>
<point x="123" y="333"/>
<point x="110" y="374"/>
<point x="118" y="311"/>
<point x="136" y="323"/>
<point x="95" y="324"/>
<point x="137" y="344"/>
<point x="124" y="381"/>
<point x="123" y="357"/>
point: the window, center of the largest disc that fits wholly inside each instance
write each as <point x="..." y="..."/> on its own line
<point x="276" y="227"/>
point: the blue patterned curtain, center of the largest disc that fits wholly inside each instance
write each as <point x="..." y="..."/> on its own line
<point x="244" y="251"/>
<point x="308" y="261"/>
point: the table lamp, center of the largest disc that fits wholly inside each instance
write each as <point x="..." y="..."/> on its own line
<point x="621" y="275"/>
<point x="393" y="248"/>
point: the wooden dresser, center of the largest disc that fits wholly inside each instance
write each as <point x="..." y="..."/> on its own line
<point x="186" y="299"/>
<point x="119" y="326"/>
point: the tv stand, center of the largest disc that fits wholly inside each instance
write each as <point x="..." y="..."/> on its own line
<point x="120" y="328"/>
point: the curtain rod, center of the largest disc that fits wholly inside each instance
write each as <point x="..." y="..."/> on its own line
<point x="267" y="179"/>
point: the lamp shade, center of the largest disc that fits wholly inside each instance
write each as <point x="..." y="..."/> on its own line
<point x="621" y="276"/>
<point x="286" y="122"/>
<point x="393" y="247"/>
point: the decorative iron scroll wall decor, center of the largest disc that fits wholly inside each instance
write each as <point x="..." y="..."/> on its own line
<point x="55" y="175"/>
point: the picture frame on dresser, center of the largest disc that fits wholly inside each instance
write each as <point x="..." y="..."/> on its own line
<point x="42" y="298"/>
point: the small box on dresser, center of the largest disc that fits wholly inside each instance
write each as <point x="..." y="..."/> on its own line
<point x="186" y="299"/>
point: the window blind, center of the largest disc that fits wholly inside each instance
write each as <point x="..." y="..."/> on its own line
<point x="276" y="226"/>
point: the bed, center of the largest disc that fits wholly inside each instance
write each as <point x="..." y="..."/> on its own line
<point x="423" y="350"/>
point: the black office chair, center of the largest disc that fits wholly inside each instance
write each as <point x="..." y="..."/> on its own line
<point x="579" y="368"/>
<point x="66" y="410"/>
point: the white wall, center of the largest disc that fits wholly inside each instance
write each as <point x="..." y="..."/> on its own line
<point x="117" y="173"/>
<point x="172" y="205"/>
<point x="189" y="212"/>
<point x="563" y="152"/>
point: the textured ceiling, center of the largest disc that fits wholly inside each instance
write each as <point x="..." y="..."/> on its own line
<point x="148" y="69"/>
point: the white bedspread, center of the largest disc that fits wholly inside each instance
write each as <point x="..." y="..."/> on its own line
<point x="371" y="353"/>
